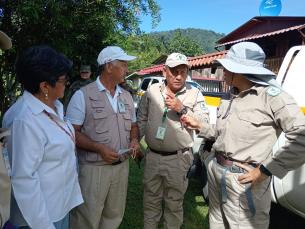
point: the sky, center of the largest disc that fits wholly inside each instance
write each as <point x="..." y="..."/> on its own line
<point x="221" y="16"/>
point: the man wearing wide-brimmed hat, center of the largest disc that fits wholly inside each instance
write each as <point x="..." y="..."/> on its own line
<point x="247" y="128"/>
<point x="5" y="185"/>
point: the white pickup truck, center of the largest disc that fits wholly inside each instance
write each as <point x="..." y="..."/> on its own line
<point x="289" y="191"/>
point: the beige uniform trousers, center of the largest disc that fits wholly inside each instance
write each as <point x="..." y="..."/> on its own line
<point x="165" y="180"/>
<point x="235" y="213"/>
<point x="104" y="190"/>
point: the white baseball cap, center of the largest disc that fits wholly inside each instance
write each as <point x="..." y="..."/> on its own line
<point x="111" y="53"/>
<point x="176" y="59"/>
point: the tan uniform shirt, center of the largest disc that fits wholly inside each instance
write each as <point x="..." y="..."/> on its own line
<point x="151" y="110"/>
<point x="250" y="127"/>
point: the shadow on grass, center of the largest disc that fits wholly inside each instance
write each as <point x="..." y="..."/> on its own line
<point x="195" y="209"/>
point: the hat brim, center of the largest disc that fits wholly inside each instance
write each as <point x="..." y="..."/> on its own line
<point x="176" y="63"/>
<point x="126" y="58"/>
<point x="235" y="67"/>
<point x="5" y="41"/>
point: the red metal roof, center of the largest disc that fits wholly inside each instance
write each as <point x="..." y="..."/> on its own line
<point x="194" y="62"/>
<point x="259" y="27"/>
<point x="206" y="59"/>
<point x="151" y="69"/>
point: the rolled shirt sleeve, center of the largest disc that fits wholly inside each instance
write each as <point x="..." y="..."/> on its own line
<point x="143" y="114"/>
<point x="76" y="110"/>
<point x="200" y="110"/>
<point x="27" y="154"/>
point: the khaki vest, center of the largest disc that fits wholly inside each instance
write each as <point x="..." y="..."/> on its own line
<point x="103" y="125"/>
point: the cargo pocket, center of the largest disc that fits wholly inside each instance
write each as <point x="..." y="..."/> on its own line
<point x="100" y="121"/>
<point x="127" y="121"/>
<point x="127" y="125"/>
<point x="186" y="160"/>
<point x="261" y="197"/>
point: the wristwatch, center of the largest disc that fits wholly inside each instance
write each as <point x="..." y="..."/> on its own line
<point x="182" y="111"/>
<point x="265" y="171"/>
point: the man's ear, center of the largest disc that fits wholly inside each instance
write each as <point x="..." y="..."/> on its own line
<point x="44" y="87"/>
<point x="164" y="71"/>
<point x="108" y="67"/>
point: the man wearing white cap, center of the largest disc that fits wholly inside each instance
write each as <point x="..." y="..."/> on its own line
<point x="5" y="185"/>
<point x="103" y="116"/>
<point x="169" y="156"/>
<point x="246" y="130"/>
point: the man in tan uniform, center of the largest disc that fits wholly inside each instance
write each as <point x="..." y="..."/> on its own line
<point x="84" y="79"/>
<point x="169" y="155"/>
<point x="5" y="184"/>
<point x="246" y="130"/>
<point x="103" y="116"/>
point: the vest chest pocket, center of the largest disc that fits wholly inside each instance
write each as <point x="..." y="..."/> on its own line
<point x="97" y="104"/>
<point x="127" y="121"/>
<point x="100" y="121"/>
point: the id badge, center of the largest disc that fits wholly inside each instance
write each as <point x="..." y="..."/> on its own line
<point x="121" y="107"/>
<point x="160" y="133"/>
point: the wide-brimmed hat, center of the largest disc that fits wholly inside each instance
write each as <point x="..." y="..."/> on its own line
<point x="111" y="53"/>
<point x="176" y="59"/>
<point x="245" y="58"/>
<point x="5" y="41"/>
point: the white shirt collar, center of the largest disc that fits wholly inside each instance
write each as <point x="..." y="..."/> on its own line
<point x="37" y="106"/>
<point x="101" y="87"/>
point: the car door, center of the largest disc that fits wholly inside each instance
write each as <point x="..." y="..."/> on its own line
<point x="289" y="191"/>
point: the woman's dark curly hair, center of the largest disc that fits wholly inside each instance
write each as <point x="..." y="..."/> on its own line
<point x="40" y="64"/>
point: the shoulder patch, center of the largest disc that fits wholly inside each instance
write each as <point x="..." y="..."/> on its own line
<point x="203" y="106"/>
<point x="273" y="91"/>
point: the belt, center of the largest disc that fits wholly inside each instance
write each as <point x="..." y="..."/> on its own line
<point x="162" y="153"/>
<point x="223" y="161"/>
<point x="227" y="161"/>
<point x="116" y="163"/>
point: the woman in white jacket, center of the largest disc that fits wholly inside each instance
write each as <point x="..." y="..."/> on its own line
<point x="42" y="146"/>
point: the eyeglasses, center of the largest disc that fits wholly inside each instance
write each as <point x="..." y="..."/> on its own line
<point x="62" y="81"/>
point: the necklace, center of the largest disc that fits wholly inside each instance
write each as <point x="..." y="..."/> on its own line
<point x="70" y="133"/>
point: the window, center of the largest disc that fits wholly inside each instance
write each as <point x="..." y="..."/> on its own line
<point x="155" y="81"/>
<point x="145" y="84"/>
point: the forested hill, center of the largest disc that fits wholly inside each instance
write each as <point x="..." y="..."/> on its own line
<point x="205" y="38"/>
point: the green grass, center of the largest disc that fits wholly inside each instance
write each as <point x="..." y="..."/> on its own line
<point x="195" y="209"/>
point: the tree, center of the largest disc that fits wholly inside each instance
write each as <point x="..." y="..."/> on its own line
<point x="145" y="47"/>
<point x="183" y="44"/>
<point x="77" y="28"/>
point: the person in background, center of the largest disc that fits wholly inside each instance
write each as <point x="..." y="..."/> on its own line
<point x="84" y="74"/>
<point x="42" y="144"/>
<point x="247" y="128"/>
<point x="104" y="119"/>
<point x="169" y="155"/>
<point x="5" y="185"/>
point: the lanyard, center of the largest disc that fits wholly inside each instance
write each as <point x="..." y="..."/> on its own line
<point x="70" y="133"/>
<point x="166" y="108"/>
